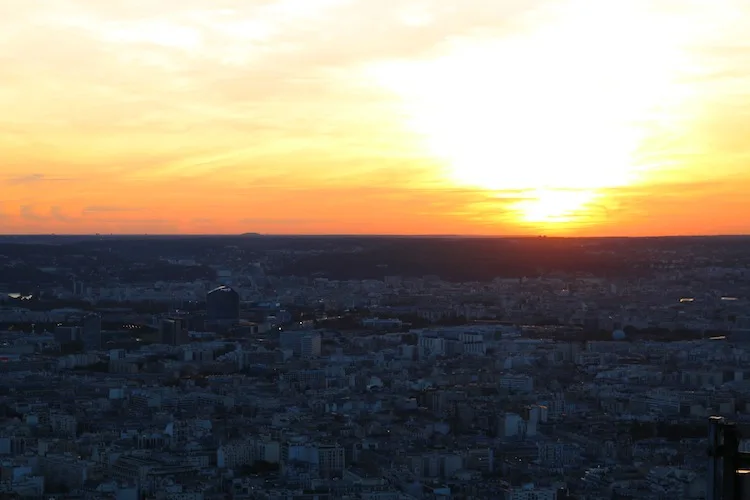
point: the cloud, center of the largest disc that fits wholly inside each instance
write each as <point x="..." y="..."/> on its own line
<point x="299" y="43"/>
<point x="57" y="214"/>
<point x="270" y="221"/>
<point x="204" y="109"/>
<point x="34" y="179"/>
<point x="28" y="213"/>
<point x="98" y="209"/>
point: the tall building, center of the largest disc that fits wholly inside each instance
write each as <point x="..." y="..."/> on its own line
<point x="173" y="331"/>
<point x="91" y="332"/>
<point x="301" y="343"/>
<point x="223" y="305"/>
<point x="727" y="464"/>
<point x="79" y="288"/>
<point x="310" y="345"/>
<point x="67" y="334"/>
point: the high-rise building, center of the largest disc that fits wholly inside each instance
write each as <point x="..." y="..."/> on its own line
<point x="310" y="345"/>
<point x="173" y="331"/>
<point x="91" y="332"/>
<point x="727" y="464"/>
<point x="223" y="305"/>
<point x="67" y="334"/>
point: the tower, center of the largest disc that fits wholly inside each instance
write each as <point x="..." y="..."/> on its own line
<point x="173" y="331"/>
<point x="223" y="305"/>
<point x="91" y="332"/>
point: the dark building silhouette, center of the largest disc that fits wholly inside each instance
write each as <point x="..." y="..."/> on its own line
<point x="728" y="467"/>
<point x="91" y="332"/>
<point x="173" y="331"/>
<point x="79" y="288"/>
<point x="222" y="305"/>
<point x="67" y="334"/>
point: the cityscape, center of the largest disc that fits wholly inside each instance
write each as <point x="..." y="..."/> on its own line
<point x="262" y="367"/>
<point x="374" y="250"/>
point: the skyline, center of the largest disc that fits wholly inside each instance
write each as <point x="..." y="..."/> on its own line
<point x="556" y="117"/>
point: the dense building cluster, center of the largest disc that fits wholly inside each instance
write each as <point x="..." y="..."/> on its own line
<point x="257" y="385"/>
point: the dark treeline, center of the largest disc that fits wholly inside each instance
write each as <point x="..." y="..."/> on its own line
<point x="353" y="257"/>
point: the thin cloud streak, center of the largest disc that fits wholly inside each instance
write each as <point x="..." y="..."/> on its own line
<point x="34" y="179"/>
<point x="98" y="209"/>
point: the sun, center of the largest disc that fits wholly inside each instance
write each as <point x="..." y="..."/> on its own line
<point x="560" y="111"/>
<point x="547" y="207"/>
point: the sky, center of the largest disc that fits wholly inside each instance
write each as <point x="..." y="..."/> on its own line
<point x="508" y="117"/>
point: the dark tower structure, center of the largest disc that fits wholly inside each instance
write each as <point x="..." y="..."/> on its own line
<point x="223" y="305"/>
<point x="91" y="332"/>
<point x="728" y="468"/>
<point x="173" y="331"/>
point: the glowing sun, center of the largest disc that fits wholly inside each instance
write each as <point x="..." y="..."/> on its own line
<point x="560" y="110"/>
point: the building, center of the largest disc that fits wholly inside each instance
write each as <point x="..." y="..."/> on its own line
<point x="450" y="343"/>
<point x="516" y="383"/>
<point x="67" y="334"/>
<point x="301" y="343"/>
<point x="173" y="331"/>
<point x="531" y="492"/>
<point x="223" y="305"/>
<point x="79" y="288"/>
<point x="328" y="459"/>
<point x="91" y="332"/>
<point x="558" y="454"/>
<point x="310" y="345"/>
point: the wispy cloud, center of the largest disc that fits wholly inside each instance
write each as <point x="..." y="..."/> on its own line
<point x="98" y="209"/>
<point x="35" y="179"/>
<point x="58" y="214"/>
<point x="32" y="213"/>
<point x="270" y="221"/>
<point x="28" y="213"/>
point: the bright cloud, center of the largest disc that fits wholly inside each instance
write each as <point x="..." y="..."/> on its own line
<point x="248" y="110"/>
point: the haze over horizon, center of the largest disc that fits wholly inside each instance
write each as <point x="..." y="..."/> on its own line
<point x="556" y="117"/>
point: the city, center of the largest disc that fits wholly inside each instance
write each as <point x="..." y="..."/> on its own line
<point x="374" y="250"/>
<point x="378" y="368"/>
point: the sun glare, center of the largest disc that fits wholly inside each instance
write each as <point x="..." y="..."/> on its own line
<point x="545" y="206"/>
<point x="560" y="112"/>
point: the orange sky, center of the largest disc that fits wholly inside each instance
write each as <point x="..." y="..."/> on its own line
<point x="571" y="117"/>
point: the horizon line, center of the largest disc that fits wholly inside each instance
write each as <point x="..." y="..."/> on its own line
<point x="355" y="235"/>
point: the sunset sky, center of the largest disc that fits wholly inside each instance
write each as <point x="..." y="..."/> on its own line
<point x="569" y="117"/>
